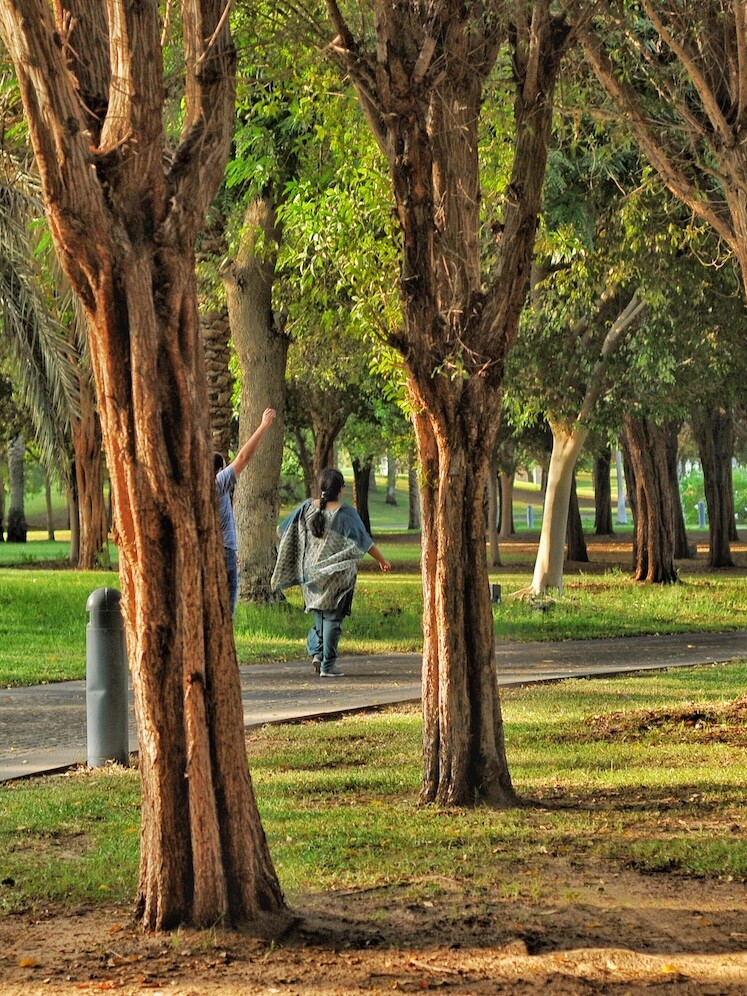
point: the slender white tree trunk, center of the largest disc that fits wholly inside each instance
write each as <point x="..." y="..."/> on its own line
<point x="548" y="567"/>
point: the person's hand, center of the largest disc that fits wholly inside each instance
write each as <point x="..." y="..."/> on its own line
<point x="385" y="565"/>
<point x="268" y="416"/>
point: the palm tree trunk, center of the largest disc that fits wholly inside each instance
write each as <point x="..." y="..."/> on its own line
<point x="17" y="526"/>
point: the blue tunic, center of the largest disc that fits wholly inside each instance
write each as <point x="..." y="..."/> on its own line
<point x="224" y="483"/>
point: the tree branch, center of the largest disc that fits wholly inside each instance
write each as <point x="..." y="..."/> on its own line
<point x="650" y="140"/>
<point x="59" y="135"/>
<point x="210" y="59"/>
<point x="740" y="27"/>
<point x="611" y="343"/>
<point x="707" y="97"/>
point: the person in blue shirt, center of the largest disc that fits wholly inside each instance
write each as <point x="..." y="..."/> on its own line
<point x="225" y="482"/>
<point x="321" y="542"/>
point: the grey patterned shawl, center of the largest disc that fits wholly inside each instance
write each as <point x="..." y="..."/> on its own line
<point x="326" y="568"/>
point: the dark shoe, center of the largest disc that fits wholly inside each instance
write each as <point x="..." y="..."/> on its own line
<point x="332" y="672"/>
<point x="317" y="664"/>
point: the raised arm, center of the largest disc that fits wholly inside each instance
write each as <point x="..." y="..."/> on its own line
<point x="249" y="448"/>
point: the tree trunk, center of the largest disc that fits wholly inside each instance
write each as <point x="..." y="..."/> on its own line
<point x="465" y="761"/>
<point x="73" y="517"/>
<point x="548" y="567"/>
<point x="621" y="486"/>
<point x="2" y="505"/>
<point x="93" y="525"/>
<point x="48" y="505"/>
<point x="305" y="459"/>
<point x="361" y="484"/>
<point x="681" y="544"/>
<point x="203" y="852"/>
<point x="575" y="542"/>
<point x="391" y="480"/>
<point x="17" y="526"/>
<point x="714" y="433"/>
<point x="422" y="89"/>
<point x="629" y="483"/>
<point x="215" y="329"/>
<point x="262" y="350"/>
<point x="325" y="436"/>
<point x="124" y="212"/>
<point x="603" y="493"/>
<point x="645" y="444"/>
<point x="493" y="514"/>
<point x="507" y="528"/>
<point x="413" y="495"/>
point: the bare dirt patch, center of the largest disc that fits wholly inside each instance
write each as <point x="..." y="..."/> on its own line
<point x="700" y="722"/>
<point x="605" y="930"/>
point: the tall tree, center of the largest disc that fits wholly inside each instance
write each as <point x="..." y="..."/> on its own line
<point x="422" y="86"/>
<point x="677" y="74"/>
<point x="681" y="543"/>
<point x="574" y="534"/>
<point x="124" y="207"/>
<point x="17" y="525"/>
<point x="713" y="429"/>
<point x="261" y="345"/>
<point x="603" y="492"/>
<point x="652" y="501"/>
<point x="568" y="437"/>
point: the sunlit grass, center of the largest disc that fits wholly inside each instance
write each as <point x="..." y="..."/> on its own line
<point x="43" y="617"/>
<point x="616" y="771"/>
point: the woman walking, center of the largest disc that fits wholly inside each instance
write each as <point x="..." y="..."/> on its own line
<point x="321" y="542"/>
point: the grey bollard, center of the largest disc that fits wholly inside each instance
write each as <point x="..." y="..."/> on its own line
<point x="530" y="516"/>
<point x="701" y="514"/>
<point x="106" y="681"/>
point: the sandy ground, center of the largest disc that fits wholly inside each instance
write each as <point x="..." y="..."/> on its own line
<point x="610" y="931"/>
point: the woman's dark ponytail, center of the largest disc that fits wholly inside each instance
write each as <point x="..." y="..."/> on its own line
<point x="331" y="483"/>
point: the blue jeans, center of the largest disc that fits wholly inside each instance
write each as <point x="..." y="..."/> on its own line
<point x="232" y="569"/>
<point x="324" y="635"/>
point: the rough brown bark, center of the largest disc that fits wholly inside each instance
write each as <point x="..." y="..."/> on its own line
<point x="493" y="514"/>
<point x="391" y="480"/>
<point x="603" y="493"/>
<point x="124" y="216"/>
<point x="413" y="495"/>
<point x="507" y="528"/>
<point x="361" y="486"/>
<point x="17" y="526"/>
<point x="713" y="429"/>
<point x="574" y="537"/>
<point x="49" y="506"/>
<point x="93" y="527"/>
<point x="73" y="518"/>
<point x="681" y="543"/>
<point x="422" y="90"/>
<point x="215" y="329"/>
<point x="262" y="349"/>
<point x="653" y="545"/>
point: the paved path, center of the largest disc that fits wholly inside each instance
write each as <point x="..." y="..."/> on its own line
<point x="43" y="729"/>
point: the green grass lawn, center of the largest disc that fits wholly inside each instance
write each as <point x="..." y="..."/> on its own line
<point x="43" y="616"/>
<point x="617" y="770"/>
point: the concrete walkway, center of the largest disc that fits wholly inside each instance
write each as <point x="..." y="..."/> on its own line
<point x="43" y="729"/>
